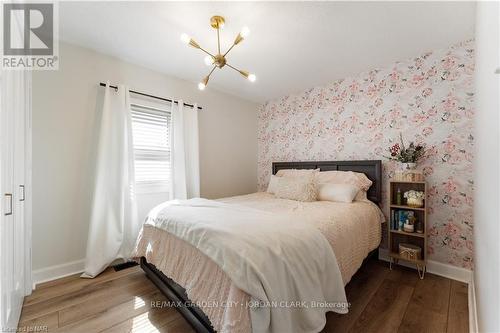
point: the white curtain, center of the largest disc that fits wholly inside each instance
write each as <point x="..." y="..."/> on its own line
<point x="185" y="181"/>
<point x="114" y="223"/>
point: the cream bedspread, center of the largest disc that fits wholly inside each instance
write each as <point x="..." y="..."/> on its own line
<point x="353" y="230"/>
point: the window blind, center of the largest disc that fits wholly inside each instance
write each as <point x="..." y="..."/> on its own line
<point x="151" y="133"/>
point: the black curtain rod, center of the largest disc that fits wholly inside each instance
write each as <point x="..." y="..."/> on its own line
<point x="152" y="96"/>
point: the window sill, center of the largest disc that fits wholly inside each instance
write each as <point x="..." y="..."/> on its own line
<point x="148" y="188"/>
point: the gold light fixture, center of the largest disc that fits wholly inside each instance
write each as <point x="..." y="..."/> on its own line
<point x="219" y="60"/>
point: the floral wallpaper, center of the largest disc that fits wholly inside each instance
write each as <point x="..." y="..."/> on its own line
<point x="429" y="99"/>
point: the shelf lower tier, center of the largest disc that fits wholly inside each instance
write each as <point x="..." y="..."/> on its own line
<point x="395" y="255"/>
<point x="411" y="234"/>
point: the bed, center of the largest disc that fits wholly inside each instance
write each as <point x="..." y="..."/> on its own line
<point x="202" y="289"/>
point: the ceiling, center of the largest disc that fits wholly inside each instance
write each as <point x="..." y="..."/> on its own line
<point x="292" y="46"/>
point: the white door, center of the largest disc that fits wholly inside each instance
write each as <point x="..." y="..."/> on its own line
<point x="18" y="227"/>
<point x="13" y="109"/>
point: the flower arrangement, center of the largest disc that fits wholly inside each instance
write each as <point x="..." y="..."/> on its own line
<point x="403" y="154"/>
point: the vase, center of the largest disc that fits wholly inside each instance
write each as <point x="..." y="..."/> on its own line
<point x="415" y="202"/>
<point x="408" y="166"/>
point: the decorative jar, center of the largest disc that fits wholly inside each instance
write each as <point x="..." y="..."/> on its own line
<point x="415" y="202"/>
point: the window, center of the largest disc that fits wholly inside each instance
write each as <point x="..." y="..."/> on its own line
<point x="151" y="132"/>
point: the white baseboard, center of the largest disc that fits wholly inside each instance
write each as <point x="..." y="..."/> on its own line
<point x="473" y="326"/>
<point x="438" y="268"/>
<point x="57" y="271"/>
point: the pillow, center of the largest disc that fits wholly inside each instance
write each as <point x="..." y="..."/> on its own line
<point x="296" y="172"/>
<point x="273" y="184"/>
<point x="344" y="177"/>
<point x="337" y="192"/>
<point x="361" y="196"/>
<point x="297" y="188"/>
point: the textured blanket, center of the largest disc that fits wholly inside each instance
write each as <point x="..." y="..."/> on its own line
<point x="285" y="264"/>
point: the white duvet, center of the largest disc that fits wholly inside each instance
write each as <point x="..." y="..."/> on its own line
<point x="284" y="263"/>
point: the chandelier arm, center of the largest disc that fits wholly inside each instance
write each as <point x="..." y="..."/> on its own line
<point x="229" y="49"/>
<point x="236" y="69"/>
<point x="246" y="74"/>
<point x="210" y="54"/>
<point x="211" y="71"/>
<point x="218" y="41"/>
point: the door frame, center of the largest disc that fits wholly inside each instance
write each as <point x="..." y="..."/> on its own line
<point x="28" y="190"/>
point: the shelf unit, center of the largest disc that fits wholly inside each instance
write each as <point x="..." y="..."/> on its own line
<point x="396" y="236"/>
<point x="403" y="207"/>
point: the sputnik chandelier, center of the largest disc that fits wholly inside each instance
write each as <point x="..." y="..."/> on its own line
<point x="219" y="60"/>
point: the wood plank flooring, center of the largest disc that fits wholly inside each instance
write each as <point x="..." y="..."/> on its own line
<point x="381" y="301"/>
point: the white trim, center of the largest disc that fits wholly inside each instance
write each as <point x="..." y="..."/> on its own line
<point x="435" y="267"/>
<point x="473" y="326"/>
<point x="57" y="271"/>
<point x="449" y="271"/>
<point x="28" y="194"/>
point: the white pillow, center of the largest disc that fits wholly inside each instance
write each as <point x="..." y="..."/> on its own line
<point x="361" y="196"/>
<point x="337" y="192"/>
<point x="296" y="188"/>
<point x="273" y="184"/>
<point x="344" y="177"/>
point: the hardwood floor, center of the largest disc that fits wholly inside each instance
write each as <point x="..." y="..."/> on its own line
<point x="398" y="301"/>
<point x="381" y="301"/>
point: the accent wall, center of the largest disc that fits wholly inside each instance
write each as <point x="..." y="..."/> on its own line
<point x="428" y="99"/>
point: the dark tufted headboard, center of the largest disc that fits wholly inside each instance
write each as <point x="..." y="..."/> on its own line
<point x="371" y="168"/>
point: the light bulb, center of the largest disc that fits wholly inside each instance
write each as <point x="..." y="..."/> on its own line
<point x="185" y="38"/>
<point x="201" y="86"/>
<point x="252" y="77"/>
<point x="209" y="60"/>
<point x="245" y="32"/>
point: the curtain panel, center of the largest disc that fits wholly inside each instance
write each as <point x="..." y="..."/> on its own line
<point x="114" y="223"/>
<point x="185" y="182"/>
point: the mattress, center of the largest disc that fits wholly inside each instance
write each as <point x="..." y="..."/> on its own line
<point x="352" y="229"/>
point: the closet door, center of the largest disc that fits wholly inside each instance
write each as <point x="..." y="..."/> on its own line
<point x="19" y="144"/>
<point x="12" y="174"/>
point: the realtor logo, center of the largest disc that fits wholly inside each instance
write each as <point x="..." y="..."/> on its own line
<point x="29" y="36"/>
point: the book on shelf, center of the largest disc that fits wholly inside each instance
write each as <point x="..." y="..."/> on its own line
<point x="399" y="218"/>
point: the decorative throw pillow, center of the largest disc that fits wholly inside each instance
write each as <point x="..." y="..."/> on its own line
<point x="296" y="172"/>
<point x="273" y="184"/>
<point x="337" y="192"/>
<point x="344" y="177"/>
<point x="297" y="188"/>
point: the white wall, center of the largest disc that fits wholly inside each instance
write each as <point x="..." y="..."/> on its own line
<point x="487" y="180"/>
<point x="64" y="138"/>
